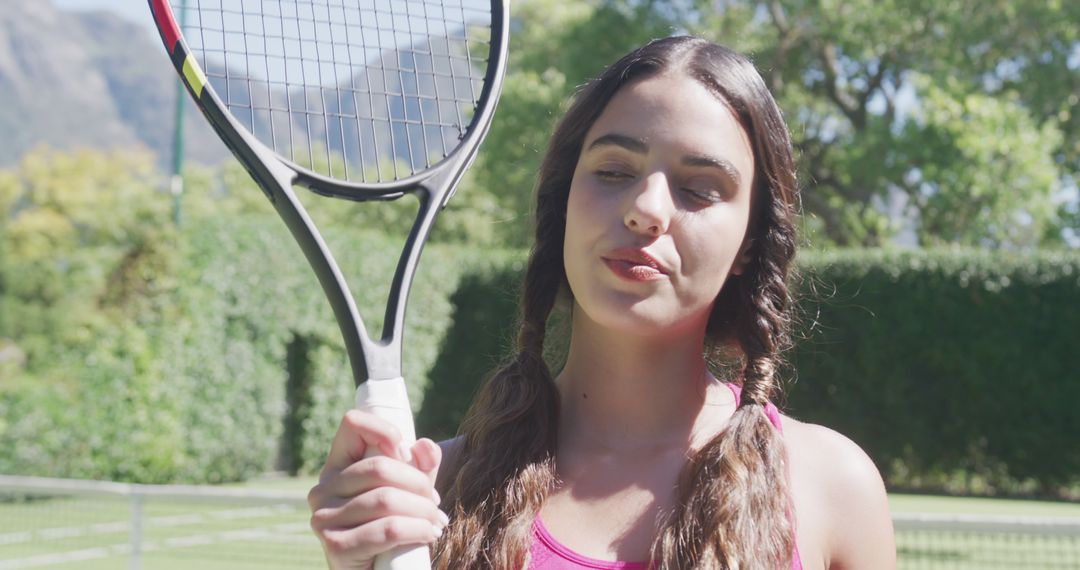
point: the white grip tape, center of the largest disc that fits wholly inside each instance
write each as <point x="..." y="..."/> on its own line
<point x="389" y="400"/>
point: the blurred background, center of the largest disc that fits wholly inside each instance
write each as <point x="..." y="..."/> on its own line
<point x="159" y="326"/>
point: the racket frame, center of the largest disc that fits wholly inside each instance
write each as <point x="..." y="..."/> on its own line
<point x="370" y="359"/>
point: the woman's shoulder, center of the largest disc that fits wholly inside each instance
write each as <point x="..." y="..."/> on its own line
<point x="839" y="497"/>
<point x="451" y="452"/>
<point x="831" y="456"/>
<point x="450" y="447"/>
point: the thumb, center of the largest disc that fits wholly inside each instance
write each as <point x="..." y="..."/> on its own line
<point x="428" y="456"/>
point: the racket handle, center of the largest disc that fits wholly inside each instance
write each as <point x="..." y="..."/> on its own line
<point x="389" y="400"/>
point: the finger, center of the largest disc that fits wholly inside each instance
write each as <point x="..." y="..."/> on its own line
<point x="377" y="504"/>
<point x="379" y="471"/>
<point x="380" y="536"/>
<point x="428" y="456"/>
<point x="358" y="432"/>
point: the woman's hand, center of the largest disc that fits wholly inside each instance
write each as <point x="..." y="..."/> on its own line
<point x="363" y="507"/>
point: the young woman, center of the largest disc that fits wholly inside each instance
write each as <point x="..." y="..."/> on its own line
<point x="665" y="224"/>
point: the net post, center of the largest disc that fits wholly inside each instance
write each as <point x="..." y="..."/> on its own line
<point x="176" y="181"/>
<point x="135" y="560"/>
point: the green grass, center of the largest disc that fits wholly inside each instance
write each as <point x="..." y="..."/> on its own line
<point x="93" y="534"/>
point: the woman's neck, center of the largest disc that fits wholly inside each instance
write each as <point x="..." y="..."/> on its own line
<point x="622" y="392"/>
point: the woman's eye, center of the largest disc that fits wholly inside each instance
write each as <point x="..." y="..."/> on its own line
<point x="612" y="175"/>
<point x="704" y="195"/>
<point x="704" y="189"/>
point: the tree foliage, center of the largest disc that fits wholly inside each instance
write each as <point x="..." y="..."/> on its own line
<point x="927" y="101"/>
<point x="133" y="349"/>
<point x="952" y="122"/>
<point x="76" y="228"/>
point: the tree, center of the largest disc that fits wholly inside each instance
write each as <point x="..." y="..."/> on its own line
<point x="869" y="88"/>
<point x="79" y="231"/>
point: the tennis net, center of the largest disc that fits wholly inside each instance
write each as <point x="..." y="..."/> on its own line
<point x="91" y="525"/>
<point x="968" y="542"/>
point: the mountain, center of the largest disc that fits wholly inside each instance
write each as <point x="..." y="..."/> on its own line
<point x="349" y="118"/>
<point x="88" y="79"/>
<point x="94" y="79"/>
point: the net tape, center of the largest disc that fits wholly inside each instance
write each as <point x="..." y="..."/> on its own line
<point x="359" y="90"/>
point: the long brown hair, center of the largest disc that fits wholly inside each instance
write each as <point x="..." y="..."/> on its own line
<point x="734" y="507"/>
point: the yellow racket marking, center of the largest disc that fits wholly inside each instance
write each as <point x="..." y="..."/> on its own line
<point x="194" y="76"/>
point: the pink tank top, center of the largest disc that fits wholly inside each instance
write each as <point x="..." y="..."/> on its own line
<point x="549" y="554"/>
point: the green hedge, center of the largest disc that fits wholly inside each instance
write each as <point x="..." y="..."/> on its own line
<point x="193" y="386"/>
<point x="956" y="370"/>
<point x="213" y="356"/>
<point x="480" y="335"/>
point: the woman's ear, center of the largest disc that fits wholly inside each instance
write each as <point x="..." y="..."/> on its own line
<point x="743" y="258"/>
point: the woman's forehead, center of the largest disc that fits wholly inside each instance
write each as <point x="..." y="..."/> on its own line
<point x="676" y="112"/>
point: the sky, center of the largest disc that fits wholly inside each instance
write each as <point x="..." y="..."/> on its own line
<point x="135" y="10"/>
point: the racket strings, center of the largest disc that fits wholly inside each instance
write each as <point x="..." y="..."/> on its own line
<point x="366" y="91"/>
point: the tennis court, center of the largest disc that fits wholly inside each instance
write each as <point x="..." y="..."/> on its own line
<point x="969" y="533"/>
<point x="61" y="524"/>
<point x="93" y="526"/>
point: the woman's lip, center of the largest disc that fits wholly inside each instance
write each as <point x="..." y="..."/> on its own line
<point x="635" y="257"/>
<point x="633" y="270"/>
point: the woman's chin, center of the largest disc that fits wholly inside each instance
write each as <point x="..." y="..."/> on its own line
<point x="643" y="320"/>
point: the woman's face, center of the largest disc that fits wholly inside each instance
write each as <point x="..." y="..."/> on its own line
<point x="658" y="208"/>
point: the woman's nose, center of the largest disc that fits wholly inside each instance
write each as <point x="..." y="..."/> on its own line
<point x="650" y="209"/>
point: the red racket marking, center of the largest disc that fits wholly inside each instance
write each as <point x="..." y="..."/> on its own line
<point x="169" y="29"/>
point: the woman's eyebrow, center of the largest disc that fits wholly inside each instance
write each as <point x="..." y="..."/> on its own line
<point x="629" y="143"/>
<point x="638" y="146"/>
<point x="721" y="164"/>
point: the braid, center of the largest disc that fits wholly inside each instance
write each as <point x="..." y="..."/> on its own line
<point x="507" y="465"/>
<point x="733" y="497"/>
<point x="764" y="328"/>
<point x="734" y="500"/>
<point x="541" y="289"/>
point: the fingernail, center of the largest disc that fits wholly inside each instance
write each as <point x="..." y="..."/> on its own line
<point x="435" y="497"/>
<point x="444" y="519"/>
<point x="404" y="452"/>
<point x="438" y="531"/>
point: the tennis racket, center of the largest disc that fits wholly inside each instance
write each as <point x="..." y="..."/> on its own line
<point x="365" y="100"/>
